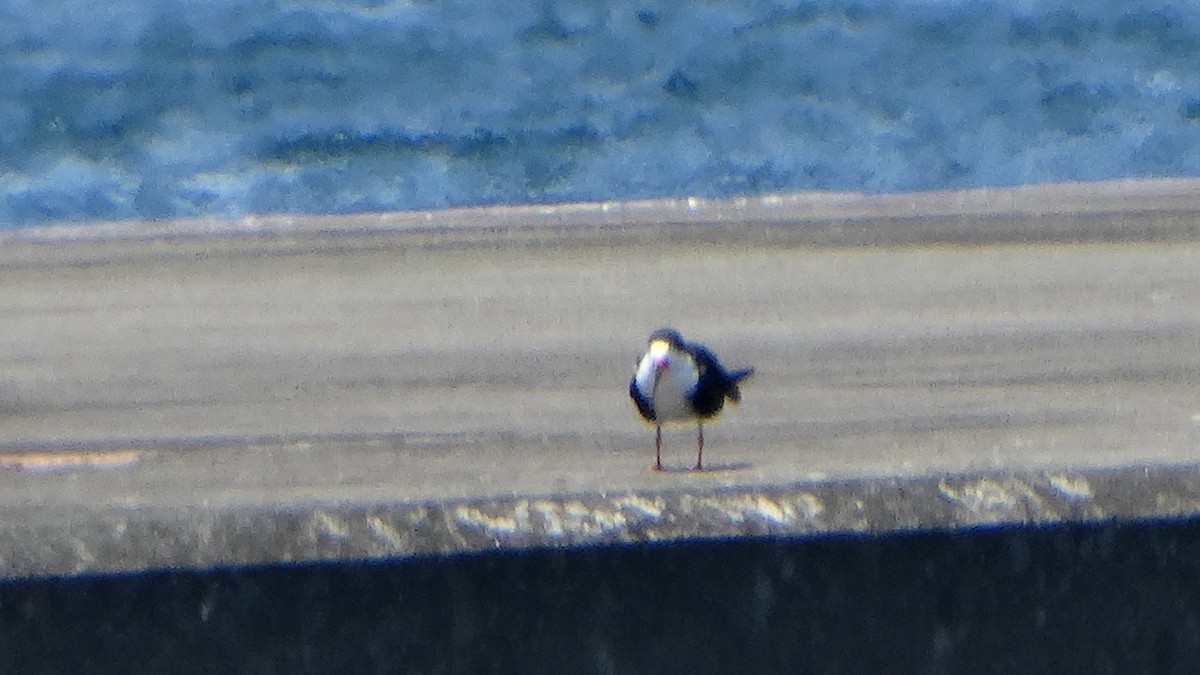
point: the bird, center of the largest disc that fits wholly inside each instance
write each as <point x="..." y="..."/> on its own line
<point x="680" y="381"/>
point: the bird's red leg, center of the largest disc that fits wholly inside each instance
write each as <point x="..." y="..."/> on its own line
<point x="700" y="447"/>
<point x="657" y="448"/>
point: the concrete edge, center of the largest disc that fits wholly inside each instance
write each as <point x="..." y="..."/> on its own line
<point x="89" y="542"/>
<point x="1059" y="212"/>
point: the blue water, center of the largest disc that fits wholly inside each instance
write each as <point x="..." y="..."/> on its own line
<point x="162" y="108"/>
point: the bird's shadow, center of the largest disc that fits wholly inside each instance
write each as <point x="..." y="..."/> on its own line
<point x="708" y="468"/>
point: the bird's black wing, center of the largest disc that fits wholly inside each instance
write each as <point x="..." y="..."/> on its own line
<point x="714" y="384"/>
<point x="644" y="405"/>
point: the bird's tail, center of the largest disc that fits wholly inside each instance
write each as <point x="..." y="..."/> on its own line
<point x="735" y="377"/>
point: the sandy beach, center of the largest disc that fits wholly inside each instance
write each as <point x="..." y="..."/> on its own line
<point x="407" y="359"/>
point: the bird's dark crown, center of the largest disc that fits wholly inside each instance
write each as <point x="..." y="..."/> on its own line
<point x="668" y="335"/>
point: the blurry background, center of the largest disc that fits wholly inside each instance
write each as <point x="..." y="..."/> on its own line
<point x="166" y="108"/>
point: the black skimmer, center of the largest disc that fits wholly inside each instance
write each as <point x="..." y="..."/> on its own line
<point x="679" y="381"/>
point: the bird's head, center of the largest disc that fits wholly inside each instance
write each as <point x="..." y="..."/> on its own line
<point x="664" y="344"/>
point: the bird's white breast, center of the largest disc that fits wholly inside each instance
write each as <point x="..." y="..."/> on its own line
<point x="669" y="388"/>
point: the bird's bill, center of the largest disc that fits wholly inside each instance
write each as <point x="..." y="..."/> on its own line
<point x="660" y="351"/>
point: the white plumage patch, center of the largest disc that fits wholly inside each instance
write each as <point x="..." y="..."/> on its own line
<point x="667" y="377"/>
